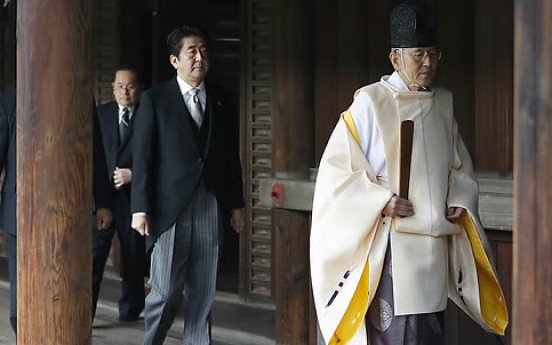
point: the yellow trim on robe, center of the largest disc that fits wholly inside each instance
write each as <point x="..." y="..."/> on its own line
<point x="348" y="117"/>
<point x="356" y="312"/>
<point x="336" y="205"/>
<point x="494" y="314"/>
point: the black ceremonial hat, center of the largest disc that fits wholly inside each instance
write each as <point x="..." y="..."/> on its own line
<point x="413" y="25"/>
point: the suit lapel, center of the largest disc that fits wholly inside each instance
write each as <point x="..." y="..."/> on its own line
<point x="180" y="112"/>
<point x="210" y="113"/>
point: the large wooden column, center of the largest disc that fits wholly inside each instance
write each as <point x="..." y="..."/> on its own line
<point x="54" y="169"/>
<point x="293" y="116"/>
<point x="532" y="278"/>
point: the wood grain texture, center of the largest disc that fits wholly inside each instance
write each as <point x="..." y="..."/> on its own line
<point x="54" y="168"/>
<point x="407" y="135"/>
<point x="292" y="157"/>
<point x="292" y="277"/>
<point x="532" y="275"/>
<point x="494" y="98"/>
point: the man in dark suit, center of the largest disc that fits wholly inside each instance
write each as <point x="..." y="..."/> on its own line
<point x="9" y="196"/>
<point x="116" y="122"/>
<point x="186" y="178"/>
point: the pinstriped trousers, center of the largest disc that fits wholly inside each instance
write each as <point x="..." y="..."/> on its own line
<point x="185" y="258"/>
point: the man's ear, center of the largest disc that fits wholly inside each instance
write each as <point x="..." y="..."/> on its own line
<point x="174" y="61"/>
<point x="395" y="59"/>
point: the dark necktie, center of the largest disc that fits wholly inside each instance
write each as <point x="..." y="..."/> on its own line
<point x="123" y="125"/>
<point x="195" y="107"/>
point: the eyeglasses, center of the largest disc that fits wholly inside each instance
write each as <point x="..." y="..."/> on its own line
<point x="419" y="55"/>
<point x="128" y="87"/>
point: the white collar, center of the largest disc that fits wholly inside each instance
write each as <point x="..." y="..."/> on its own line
<point x="130" y="109"/>
<point x="396" y="81"/>
<point x="400" y="89"/>
<point x="185" y="87"/>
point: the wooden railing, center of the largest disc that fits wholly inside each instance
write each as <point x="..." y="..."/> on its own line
<point x="495" y="197"/>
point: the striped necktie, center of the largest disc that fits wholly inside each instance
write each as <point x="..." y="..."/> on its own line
<point x="123" y="125"/>
<point x="195" y="106"/>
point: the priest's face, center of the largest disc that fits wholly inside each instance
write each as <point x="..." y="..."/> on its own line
<point x="416" y="66"/>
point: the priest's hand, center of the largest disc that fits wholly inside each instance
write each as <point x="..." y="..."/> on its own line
<point x="398" y="207"/>
<point x="454" y="213"/>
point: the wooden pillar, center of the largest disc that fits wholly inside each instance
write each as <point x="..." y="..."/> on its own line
<point x="54" y="171"/>
<point x="532" y="277"/>
<point x="292" y="158"/>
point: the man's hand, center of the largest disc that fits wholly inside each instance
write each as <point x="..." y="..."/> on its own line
<point x="121" y="177"/>
<point x="237" y="221"/>
<point x="454" y="213"/>
<point x="398" y="207"/>
<point x="140" y="224"/>
<point x="103" y="218"/>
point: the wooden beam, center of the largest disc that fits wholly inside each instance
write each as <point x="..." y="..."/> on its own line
<point x="293" y="116"/>
<point x="495" y="197"/>
<point x="532" y="276"/>
<point x="54" y="171"/>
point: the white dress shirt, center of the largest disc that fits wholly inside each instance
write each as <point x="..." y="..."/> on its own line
<point x="130" y="112"/>
<point x="185" y="87"/>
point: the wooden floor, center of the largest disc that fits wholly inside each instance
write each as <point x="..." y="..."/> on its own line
<point x="234" y="323"/>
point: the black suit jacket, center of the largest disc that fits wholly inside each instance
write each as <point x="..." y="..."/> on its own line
<point x="8" y="161"/>
<point x="101" y="182"/>
<point x="116" y="155"/>
<point x="8" y="151"/>
<point x="169" y="163"/>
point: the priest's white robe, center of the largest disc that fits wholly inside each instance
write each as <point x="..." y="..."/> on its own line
<point x="432" y="258"/>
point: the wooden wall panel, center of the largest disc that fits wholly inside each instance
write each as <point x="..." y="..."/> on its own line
<point x="326" y="77"/>
<point x="256" y="281"/>
<point x="293" y="128"/>
<point x="351" y="51"/>
<point x="456" y="69"/>
<point x="106" y="48"/>
<point x="494" y="85"/>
